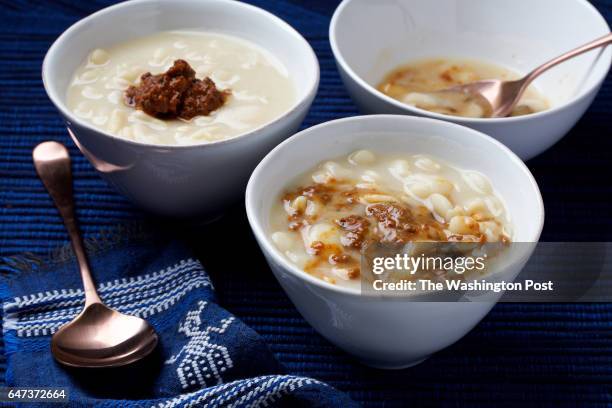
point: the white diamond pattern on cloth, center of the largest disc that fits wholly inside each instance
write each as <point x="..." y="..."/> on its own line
<point x="41" y="314"/>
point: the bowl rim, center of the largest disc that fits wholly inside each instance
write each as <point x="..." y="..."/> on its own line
<point x="575" y="99"/>
<point x="298" y="105"/>
<point x="270" y="249"/>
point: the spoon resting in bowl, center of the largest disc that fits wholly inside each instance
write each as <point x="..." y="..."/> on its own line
<point x="498" y="98"/>
<point x="99" y="336"/>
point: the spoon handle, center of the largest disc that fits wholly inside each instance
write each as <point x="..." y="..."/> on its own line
<point x="52" y="163"/>
<point x="600" y="42"/>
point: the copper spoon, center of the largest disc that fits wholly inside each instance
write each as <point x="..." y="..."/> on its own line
<point x="98" y="336"/>
<point x="502" y="96"/>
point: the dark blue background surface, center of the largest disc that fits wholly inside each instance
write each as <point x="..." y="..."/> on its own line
<point x="529" y="355"/>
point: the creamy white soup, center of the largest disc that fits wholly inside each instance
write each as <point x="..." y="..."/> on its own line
<point x="258" y="87"/>
<point x="325" y="219"/>
<point x="418" y="84"/>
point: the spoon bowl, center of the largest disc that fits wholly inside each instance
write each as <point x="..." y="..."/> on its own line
<point x="497" y="97"/>
<point x="102" y="337"/>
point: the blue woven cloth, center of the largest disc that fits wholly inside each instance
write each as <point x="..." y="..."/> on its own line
<point x="205" y="355"/>
<point x="525" y="355"/>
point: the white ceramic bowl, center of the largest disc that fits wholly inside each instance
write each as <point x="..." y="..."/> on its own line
<point x="180" y="181"/>
<point x="388" y="333"/>
<point x="370" y="38"/>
